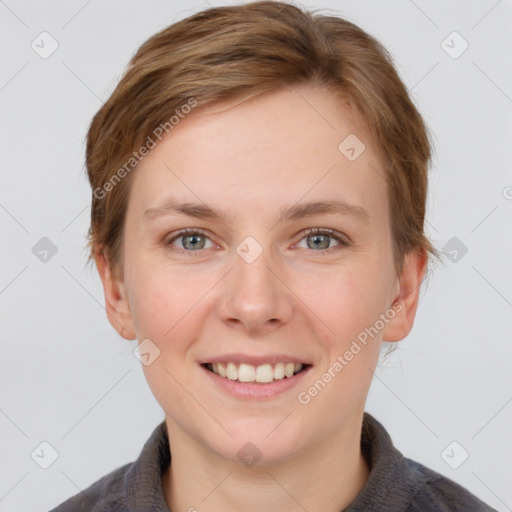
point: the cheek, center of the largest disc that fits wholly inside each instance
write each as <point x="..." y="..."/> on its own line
<point x="345" y="302"/>
<point x="157" y="301"/>
<point x="165" y="312"/>
<point x="165" y="301"/>
<point x="150" y="308"/>
<point x="346" y="306"/>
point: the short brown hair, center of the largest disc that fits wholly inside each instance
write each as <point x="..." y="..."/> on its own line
<point x="239" y="52"/>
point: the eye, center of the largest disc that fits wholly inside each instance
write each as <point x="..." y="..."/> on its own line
<point x="320" y="238"/>
<point x="192" y="240"/>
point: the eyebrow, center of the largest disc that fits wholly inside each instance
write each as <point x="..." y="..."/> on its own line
<point x="295" y="212"/>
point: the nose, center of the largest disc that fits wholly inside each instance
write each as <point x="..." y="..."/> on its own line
<point x="254" y="297"/>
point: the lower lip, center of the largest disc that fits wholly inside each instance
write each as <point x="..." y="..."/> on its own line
<point x="255" y="390"/>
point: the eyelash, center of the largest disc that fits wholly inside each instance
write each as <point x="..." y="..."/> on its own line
<point x="308" y="232"/>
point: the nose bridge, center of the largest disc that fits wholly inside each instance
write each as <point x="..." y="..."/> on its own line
<point x="254" y="296"/>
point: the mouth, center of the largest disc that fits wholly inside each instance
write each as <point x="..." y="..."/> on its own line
<point x="261" y="374"/>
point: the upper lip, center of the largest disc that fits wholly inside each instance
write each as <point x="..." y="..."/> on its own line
<point x="254" y="360"/>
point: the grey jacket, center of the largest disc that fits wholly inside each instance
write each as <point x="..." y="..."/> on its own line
<point x="395" y="484"/>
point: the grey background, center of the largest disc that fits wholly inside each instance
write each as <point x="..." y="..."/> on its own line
<point x="67" y="378"/>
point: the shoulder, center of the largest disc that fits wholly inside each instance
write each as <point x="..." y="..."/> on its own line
<point x="400" y="484"/>
<point x="437" y="493"/>
<point x="106" y="494"/>
<point x="133" y="486"/>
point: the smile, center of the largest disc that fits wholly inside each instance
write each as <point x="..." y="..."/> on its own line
<point x="265" y="373"/>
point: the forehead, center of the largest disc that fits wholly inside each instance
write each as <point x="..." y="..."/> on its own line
<point x="292" y="145"/>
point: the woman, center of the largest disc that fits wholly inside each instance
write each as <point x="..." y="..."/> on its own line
<point x="259" y="179"/>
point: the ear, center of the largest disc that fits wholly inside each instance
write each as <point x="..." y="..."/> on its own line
<point x="116" y="299"/>
<point x="405" y="301"/>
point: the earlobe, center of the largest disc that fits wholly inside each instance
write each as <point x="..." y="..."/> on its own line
<point x="405" y="302"/>
<point x="116" y="300"/>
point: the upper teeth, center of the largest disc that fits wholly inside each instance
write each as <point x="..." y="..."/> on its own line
<point x="249" y="373"/>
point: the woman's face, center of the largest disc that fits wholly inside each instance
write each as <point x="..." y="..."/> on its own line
<point x="250" y="284"/>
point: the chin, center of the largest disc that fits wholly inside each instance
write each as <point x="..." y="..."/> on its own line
<point x="259" y="441"/>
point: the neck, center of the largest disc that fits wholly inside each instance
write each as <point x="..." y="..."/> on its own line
<point x="325" y="477"/>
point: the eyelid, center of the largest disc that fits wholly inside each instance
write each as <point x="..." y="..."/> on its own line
<point x="187" y="231"/>
<point x="343" y="240"/>
<point x="325" y="231"/>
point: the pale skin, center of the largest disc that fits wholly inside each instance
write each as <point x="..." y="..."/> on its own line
<point x="251" y="161"/>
